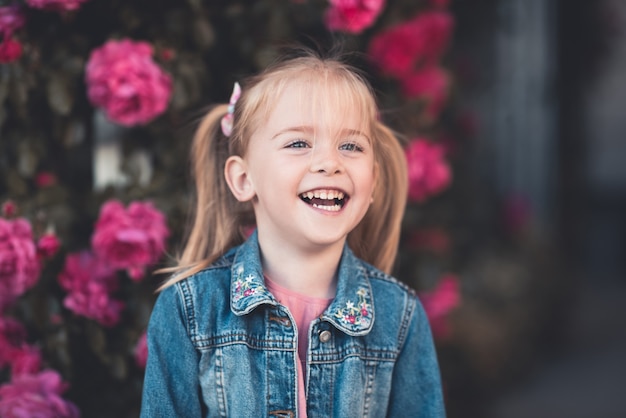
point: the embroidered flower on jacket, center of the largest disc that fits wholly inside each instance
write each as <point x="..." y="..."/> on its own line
<point x="357" y="315"/>
<point x="243" y="288"/>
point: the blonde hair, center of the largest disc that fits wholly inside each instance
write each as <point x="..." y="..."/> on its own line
<point x="220" y="221"/>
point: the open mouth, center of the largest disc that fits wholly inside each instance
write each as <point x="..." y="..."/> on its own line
<point x="330" y="200"/>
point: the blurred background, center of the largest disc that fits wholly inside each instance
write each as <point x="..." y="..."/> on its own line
<point x="512" y="115"/>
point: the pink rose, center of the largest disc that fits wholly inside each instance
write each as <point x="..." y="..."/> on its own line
<point x="89" y="283"/>
<point x="428" y="171"/>
<point x="439" y="302"/>
<point x="11" y="19"/>
<point x="56" y="5"/>
<point x="48" y="245"/>
<point x="36" y="395"/>
<point x="25" y="359"/>
<point x="130" y="238"/>
<point x="419" y="41"/>
<point x="429" y="84"/>
<point x="352" y="15"/>
<point x="14" y="351"/>
<point x="123" y="80"/>
<point x="95" y="303"/>
<point x="19" y="266"/>
<point x="10" y="50"/>
<point x="141" y="351"/>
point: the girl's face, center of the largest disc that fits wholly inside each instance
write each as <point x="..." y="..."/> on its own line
<point x="309" y="169"/>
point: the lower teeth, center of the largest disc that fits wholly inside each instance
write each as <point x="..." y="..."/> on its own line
<point x="333" y="208"/>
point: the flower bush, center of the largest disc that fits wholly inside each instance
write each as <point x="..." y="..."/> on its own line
<point x="90" y="283"/>
<point x="126" y="83"/>
<point x="76" y="255"/>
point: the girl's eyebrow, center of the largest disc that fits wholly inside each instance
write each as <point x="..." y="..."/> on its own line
<point x="310" y="130"/>
<point x="297" y="129"/>
<point x="354" y="132"/>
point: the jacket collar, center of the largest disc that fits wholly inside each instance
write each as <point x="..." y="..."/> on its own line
<point x="352" y="310"/>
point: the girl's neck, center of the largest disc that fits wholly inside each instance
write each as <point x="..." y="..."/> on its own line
<point x="311" y="273"/>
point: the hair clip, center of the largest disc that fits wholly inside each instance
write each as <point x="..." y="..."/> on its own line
<point x="228" y="118"/>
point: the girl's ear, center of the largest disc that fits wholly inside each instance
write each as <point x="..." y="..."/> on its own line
<point x="237" y="178"/>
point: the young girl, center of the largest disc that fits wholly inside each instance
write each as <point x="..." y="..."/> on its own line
<point x="298" y="317"/>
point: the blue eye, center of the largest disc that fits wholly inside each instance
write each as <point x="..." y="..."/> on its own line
<point x="351" y="146"/>
<point x="298" y="143"/>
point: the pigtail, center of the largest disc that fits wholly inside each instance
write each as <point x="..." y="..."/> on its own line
<point x="217" y="214"/>
<point x="376" y="238"/>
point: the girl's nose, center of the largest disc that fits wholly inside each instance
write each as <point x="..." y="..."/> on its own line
<point x="325" y="160"/>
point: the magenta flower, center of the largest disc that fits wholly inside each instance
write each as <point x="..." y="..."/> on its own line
<point x="55" y="5"/>
<point x="25" y="359"/>
<point x="439" y="302"/>
<point x="89" y="283"/>
<point x="131" y="238"/>
<point x="420" y="41"/>
<point x="11" y="19"/>
<point x="10" y="50"/>
<point x="429" y="84"/>
<point x="36" y="395"/>
<point x="428" y="171"/>
<point x="141" y="351"/>
<point x="19" y="266"/>
<point x="126" y="83"/>
<point x="48" y="245"/>
<point x="14" y="351"/>
<point x="12" y="335"/>
<point x="352" y="16"/>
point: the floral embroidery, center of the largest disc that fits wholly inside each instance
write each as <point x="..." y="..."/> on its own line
<point x="246" y="287"/>
<point x="356" y="316"/>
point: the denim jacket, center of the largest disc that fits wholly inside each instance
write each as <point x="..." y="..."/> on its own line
<point x="220" y="345"/>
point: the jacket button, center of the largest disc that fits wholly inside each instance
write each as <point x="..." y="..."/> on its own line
<point x="325" y="336"/>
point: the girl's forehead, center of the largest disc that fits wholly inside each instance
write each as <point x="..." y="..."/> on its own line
<point x="309" y="102"/>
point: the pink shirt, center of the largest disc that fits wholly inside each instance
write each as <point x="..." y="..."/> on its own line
<point x="304" y="309"/>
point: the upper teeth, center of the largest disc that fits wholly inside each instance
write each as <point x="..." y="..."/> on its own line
<point x="323" y="194"/>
